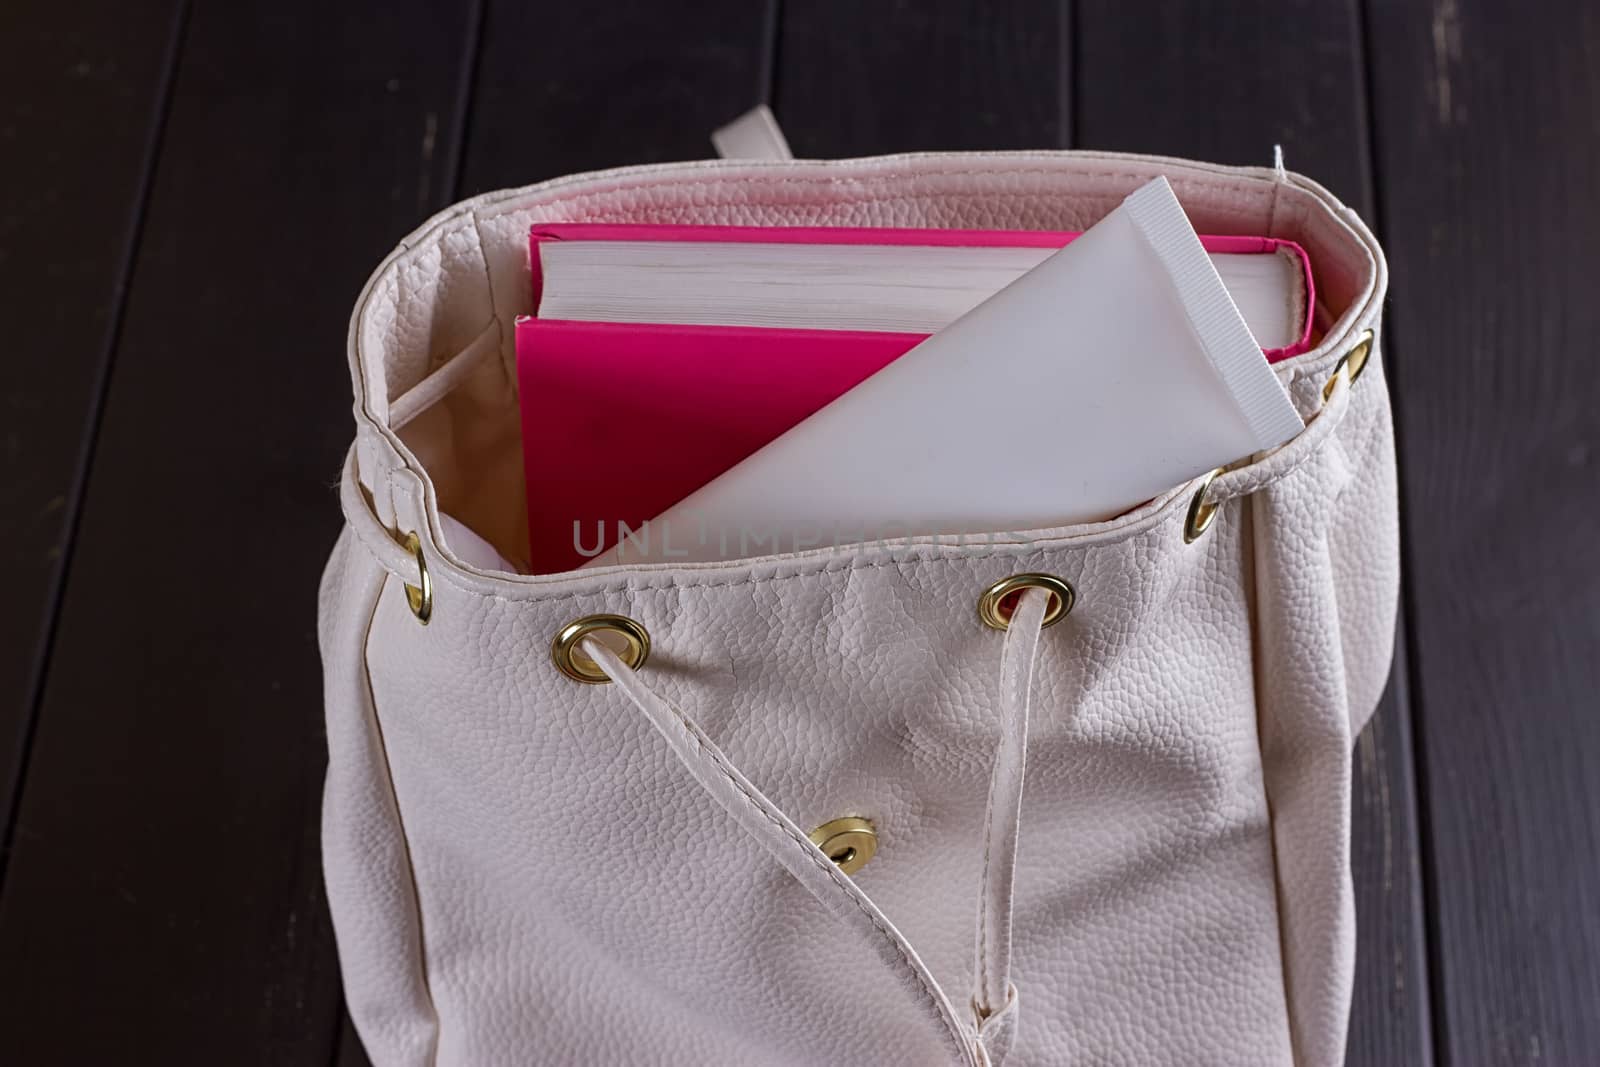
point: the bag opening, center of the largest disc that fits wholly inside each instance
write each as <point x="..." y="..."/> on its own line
<point x="433" y="340"/>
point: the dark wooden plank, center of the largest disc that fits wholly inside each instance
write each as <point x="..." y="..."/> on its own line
<point x="1174" y="77"/>
<point x="164" y="900"/>
<point x="81" y="96"/>
<point x="572" y="87"/>
<point x="1485" y="119"/>
<point x="863" y="79"/>
<point x="1228" y="89"/>
<point x="1391" y="1015"/>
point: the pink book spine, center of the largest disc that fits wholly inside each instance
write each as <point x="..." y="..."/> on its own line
<point x="873" y="235"/>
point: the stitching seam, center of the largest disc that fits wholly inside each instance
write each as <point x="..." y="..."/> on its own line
<point x="1232" y="188"/>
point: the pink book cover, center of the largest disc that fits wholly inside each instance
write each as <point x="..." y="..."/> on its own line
<point x="661" y="410"/>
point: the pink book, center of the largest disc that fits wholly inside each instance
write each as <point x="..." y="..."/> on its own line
<point x="661" y="409"/>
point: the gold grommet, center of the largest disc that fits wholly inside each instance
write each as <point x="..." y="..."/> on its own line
<point x="572" y="662"/>
<point x="1354" y="362"/>
<point x="1201" y="511"/>
<point x="849" y="842"/>
<point x="419" y="597"/>
<point x="994" y="606"/>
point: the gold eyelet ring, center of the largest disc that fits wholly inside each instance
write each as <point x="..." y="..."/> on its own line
<point x="419" y="597"/>
<point x="571" y="661"/>
<point x="1201" y="511"/>
<point x="994" y="606"/>
<point x="849" y="842"/>
<point x="1353" y="362"/>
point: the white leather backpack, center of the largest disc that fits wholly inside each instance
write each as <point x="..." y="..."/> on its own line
<point x="795" y="824"/>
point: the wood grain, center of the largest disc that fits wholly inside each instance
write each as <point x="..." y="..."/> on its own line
<point x="864" y="79"/>
<point x="82" y="91"/>
<point x="567" y="88"/>
<point x="164" y="899"/>
<point x="1180" y="80"/>
<point x="1485" y="118"/>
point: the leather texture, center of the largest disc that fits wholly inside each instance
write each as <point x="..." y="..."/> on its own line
<point x="523" y="869"/>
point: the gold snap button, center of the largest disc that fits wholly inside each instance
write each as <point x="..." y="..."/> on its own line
<point x="1000" y="599"/>
<point x="849" y="842"/>
<point x="419" y="597"/>
<point x="1201" y="511"/>
<point x="620" y="633"/>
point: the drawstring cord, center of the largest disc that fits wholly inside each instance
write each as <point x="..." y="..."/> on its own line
<point x="994" y="998"/>
<point x="992" y="1023"/>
